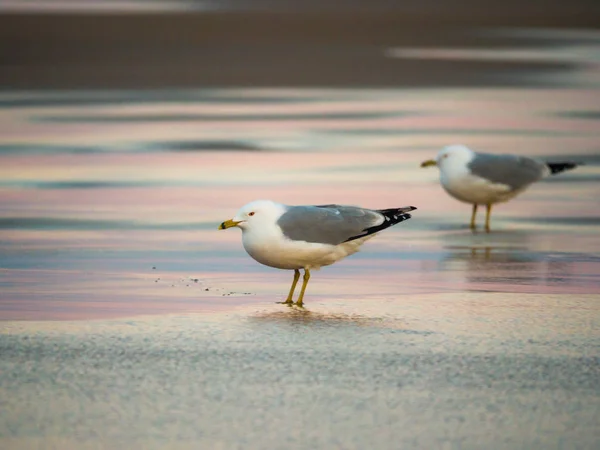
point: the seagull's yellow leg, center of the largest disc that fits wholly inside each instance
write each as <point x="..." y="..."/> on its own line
<point x="306" y="278"/>
<point x="289" y="301"/>
<point x="473" y="215"/>
<point x="488" y="213"/>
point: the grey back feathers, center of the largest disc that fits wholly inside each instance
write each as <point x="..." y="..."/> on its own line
<point x="511" y="170"/>
<point x="333" y="224"/>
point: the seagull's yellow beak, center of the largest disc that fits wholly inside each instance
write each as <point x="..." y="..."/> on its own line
<point x="429" y="162"/>
<point x="228" y="224"/>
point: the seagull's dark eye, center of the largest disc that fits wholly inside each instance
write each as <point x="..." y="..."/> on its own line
<point x="251" y="213"/>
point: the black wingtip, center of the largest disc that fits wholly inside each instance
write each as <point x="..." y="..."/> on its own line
<point x="403" y="209"/>
<point x="559" y="167"/>
<point x="393" y="216"/>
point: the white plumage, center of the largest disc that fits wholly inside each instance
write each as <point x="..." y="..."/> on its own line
<point x="308" y="237"/>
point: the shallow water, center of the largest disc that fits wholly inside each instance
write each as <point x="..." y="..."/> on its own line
<point x="83" y="225"/>
<point x="117" y="165"/>
<point x="110" y="198"/>
<point x="100" y="188"/>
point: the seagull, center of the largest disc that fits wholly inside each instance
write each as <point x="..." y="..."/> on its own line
<point x="308" y="237"/>
<point x="486" y="179"/>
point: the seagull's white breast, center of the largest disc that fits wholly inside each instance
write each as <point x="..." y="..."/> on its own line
<point x="270" y="247"/>
<point x="461" y="184"/>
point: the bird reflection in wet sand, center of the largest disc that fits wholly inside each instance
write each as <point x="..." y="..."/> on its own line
<point x="486" y="179"/>
<point x="503" y="265"/>
<point x="306" y="317"/>
<point x="303" y="317"/>
<point x="489" y="253"/>
<point x="308" y="237"/>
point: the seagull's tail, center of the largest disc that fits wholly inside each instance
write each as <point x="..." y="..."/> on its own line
<point x="395" y="215"/>
<point x="392" y="217"/>
<point x="558" y="167"/>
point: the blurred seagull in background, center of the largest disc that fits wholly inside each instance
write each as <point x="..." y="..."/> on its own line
<point x="486" y="179"/>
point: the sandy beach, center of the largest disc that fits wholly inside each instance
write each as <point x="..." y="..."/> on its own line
<point x="483" y="370"/>
<point x="128" y="320"/>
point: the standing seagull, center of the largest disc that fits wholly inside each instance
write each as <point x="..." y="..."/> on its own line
<point x="482" y="178"/>
<point x="308" y="237"/>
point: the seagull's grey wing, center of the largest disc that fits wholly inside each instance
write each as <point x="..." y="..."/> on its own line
<point x="511" y="170"/>
<point x="327" y="224"/>
<point x="334" y="224"/>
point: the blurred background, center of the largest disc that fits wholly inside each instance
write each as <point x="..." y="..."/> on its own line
<point x="130" y="129"/>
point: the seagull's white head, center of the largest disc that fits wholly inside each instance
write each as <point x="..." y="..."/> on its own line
<point x="259" y="213"/>
<point x="452" y="155"/>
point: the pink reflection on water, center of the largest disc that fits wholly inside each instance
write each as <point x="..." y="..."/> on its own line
<point x="88" y="253"/>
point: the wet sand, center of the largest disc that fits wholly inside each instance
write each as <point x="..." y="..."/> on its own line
<point x="431" y="336"/>
<point x="129" y="320"/>
<point x="475" y="370"/>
